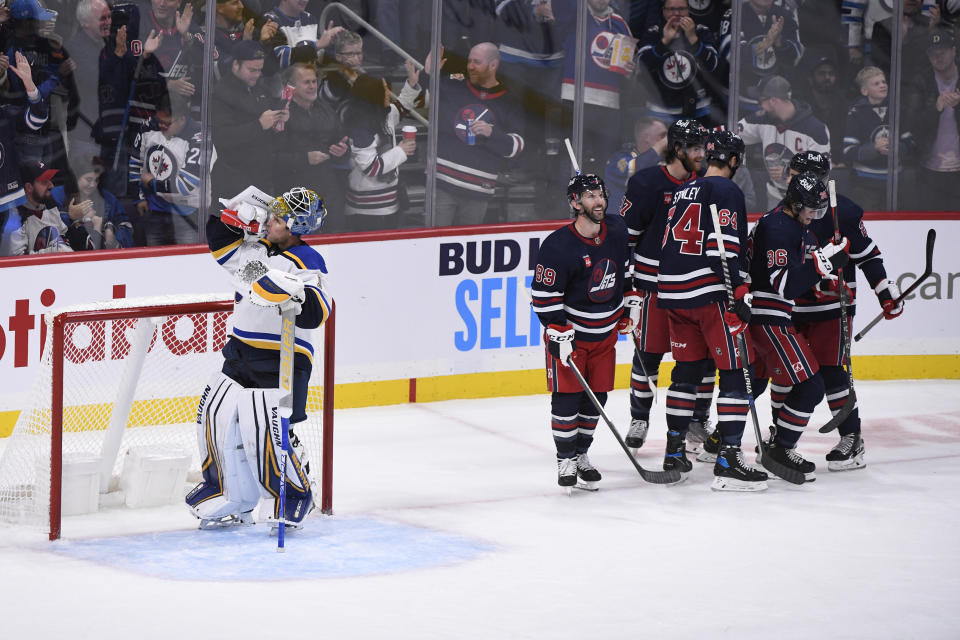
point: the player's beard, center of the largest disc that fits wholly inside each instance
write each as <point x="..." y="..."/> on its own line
<point x="589" y="213"/>
<point x="689" y="164"/>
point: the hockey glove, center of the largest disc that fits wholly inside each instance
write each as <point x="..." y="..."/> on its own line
<point x="831" y="257"/>
<point x="830" y="290"/>
<point x="632" y="307"/>
<point x="887" y="293"/>
<point x="560" y="342"/>
<point x="278" y="288"/>
<point x="738" y="317"/>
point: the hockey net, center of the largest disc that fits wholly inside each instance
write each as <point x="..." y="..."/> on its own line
<point x="125" y="376"/>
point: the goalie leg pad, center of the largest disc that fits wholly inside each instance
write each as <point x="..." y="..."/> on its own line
<point x="228" y="487"/>
<point x="260" y="425"/>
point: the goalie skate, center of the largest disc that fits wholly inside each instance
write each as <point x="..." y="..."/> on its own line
<point x="847" y="455"/>
<point x="225" y="522"/>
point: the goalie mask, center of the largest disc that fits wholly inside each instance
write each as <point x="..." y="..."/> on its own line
<point x="300" y="209"/>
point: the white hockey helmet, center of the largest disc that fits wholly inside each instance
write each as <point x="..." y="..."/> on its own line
<point x="301" y="209"/>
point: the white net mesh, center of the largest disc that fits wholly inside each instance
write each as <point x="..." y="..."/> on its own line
<point x="101" y="378"/>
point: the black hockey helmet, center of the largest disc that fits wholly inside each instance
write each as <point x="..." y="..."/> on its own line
<point x="723" y="145"/>
<point x="585" y="182"/>
<point x="816" y="162"/>
<point x="807" y="190"/>
<point x="686" y="133"/>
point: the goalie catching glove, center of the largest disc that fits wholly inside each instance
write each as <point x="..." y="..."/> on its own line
<point x="248" y="210"/>
<point x="560" y="342"/>
<point x="632" y="307"/>
<point x="738" y="317"/>
<point x="831" y="257"/>
<point x="278" y="288"/>
<point x="888" y="293"/>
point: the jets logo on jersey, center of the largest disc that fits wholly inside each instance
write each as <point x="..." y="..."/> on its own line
<point x="677" y="70"/>
<point x="766" y="59"/>
<point x="603" y="281"/>
<point x="699" y="6"/>
<point x="160" y="163"/>
<point x="600" y="49"/>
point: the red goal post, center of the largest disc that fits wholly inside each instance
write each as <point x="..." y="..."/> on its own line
<point x="126" y="376"/>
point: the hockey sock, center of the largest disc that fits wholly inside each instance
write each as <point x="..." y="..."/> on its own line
<point x="565" y="422"/>
<point x="837" y="388"/>
<point x="778" y="394"/>
<point x="682" y="395"/>
<point x="641" y="393"/>
<point x="732" y="406"/>
<point x="732" y="409"/>
<point x="705" y="392"/>
<point x="795" y="413"/>
<point x="588" y="421"/>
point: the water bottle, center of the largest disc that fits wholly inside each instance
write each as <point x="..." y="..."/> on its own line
<point x="471" y="136"/>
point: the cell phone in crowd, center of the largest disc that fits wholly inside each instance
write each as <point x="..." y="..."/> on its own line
<point x="125" y="14"/>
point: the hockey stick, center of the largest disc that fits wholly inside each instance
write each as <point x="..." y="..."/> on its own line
<point x="931" y="238"/>
<point x="654" y="477"/>
<point x="573" y="158"/>
<point x="287" y="335"/>
<point x="774" y="467"/>
<point x="643" y="368"/>
<point x="851" y="400"/>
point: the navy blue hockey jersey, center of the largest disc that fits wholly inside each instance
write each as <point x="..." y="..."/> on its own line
<point x="690" y="271"/>
<point x="581" y="280"/>
<point x="645" y="206"/>
<point x="779" y="268"/>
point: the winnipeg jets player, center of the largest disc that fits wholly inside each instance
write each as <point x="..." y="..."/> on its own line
<point x="240" y="404"/>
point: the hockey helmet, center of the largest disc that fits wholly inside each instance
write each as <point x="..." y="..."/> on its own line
<point x="301" y="209"/>
<point x="816" y="162"/>
<point x="723" y="145"/>
<point x="686" y="133"/>
<point x="585" y="182"/>
<point x="807" y="190"/>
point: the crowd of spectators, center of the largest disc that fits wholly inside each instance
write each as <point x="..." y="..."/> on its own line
<point x="101" y="103"/>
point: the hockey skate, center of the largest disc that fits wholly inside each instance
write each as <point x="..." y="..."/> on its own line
<point x="637" y="435"/>
<point x="225" y="522"/>
<point x="567" y="473"/>
<point x="790" y="459"/>
<point x="732" y="474"/>
<point x="699" y="430"/>
<point x="676" y="456"/>
<point x="847" y="455"/>
<point x="588" y="474"/>
<point x="711" y="447"/>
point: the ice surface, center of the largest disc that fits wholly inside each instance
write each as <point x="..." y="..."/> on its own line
<point x="449" y="524"/>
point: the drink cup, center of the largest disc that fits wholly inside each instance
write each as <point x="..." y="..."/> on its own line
<point x="409" y="132"/>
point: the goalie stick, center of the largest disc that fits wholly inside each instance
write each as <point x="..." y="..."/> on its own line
<point x="851" y="400"/>
<point x="653" y="477"/>
<point x="287" y="335"/>
<point x="790" y="475"/>
<point x="928" y="270"/>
